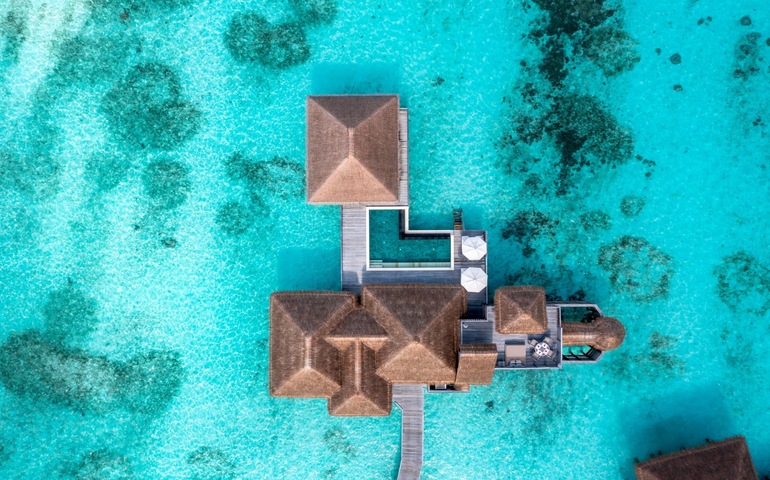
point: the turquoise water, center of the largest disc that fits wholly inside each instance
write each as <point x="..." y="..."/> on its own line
<point x="386" y="245"/>
<point x="151" y="175"/>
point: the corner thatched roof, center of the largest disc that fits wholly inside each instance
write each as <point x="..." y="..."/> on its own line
<point x="363" y="392"/>
<point x="352" y="149"/>
<point x="476" y="364"/>
<point x="604" y="333"/>
<point x="728" y="459"/>
<point x="302" y="363"/>
<point x="520" y="310"/>
<point x="423" y="326"/>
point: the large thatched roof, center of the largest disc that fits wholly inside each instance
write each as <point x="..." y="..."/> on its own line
<point x="363" y="392"/>
<point x="728" y="459"/>
<point x="352" y="149"/>
<point x="476" y="364"/>
<point x="325" y="344"/>
<point x="604" y="333"/>
<point x="520" y="310"/>
<point x="422" y="322"/>
<point x="302" y="363"/>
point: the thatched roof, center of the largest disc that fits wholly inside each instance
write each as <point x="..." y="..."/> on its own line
<point x="476" y="364"/>
<point x="422" y="322"/>
<point x="363" y="393"/>
<point x="728" y="459"/>
<point x="352" y="149"/>
<point x="520" y="310"/>
<point x="302" y="363"/>
<point x="358" y="325"/>
<point x="604" y="333"/>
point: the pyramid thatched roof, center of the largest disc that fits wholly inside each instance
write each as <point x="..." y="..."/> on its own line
<point x="423" y="326"/>
<point x="728" y="459"/>
<point x="352" y="149"/>
<point x="363" y="392"/>
<point x="302" y="363"/>
<point x="520" y="310"/>
<point x="476" y="364"/>
<point x="604" y="333"/>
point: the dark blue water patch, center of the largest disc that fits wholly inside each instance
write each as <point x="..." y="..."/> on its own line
<point x="34" y="367"/>
<point x="69" y="314"/>
<point x="209" y="463"/>
<point x="106" y="169"/>
<point x="595" y="220"/>
<point x="308" y="269"/>
<point x="36" y="176"/>
<point x="526" y="226"/>
<point x="588" y="137"/>
<point x="13" y="28"/>
<point x="743" y="283"/>
<point x="637" y="268"/>
<point x="689" y="416"/>
<point x="91" y="58"/>
<point x="278" y="177"/>
<point x="611" y="49"/>
<point x="632" y="205"/>
<point x="235" y="218"/>
<point x="560" y="284"/>
<point x="569" y="16"/>
<point x="103" y="464"/>
<point x="166" y="183"/>
<point x="747" y="56"/>
<point x="314" y="12"/>
<point x="336" y="440"/>
<point x="147" y="109"/>
<point x="355" y="79"/>
<point x="250" y="38"/>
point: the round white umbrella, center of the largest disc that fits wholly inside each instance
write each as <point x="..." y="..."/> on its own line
<point x="473" y="279"/>
<point x="474" y="248"/>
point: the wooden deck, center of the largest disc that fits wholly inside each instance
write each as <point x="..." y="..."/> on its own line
<point x="403" y="156"/>
<point x="483" y="331"/>
<point x="410" y="398"/>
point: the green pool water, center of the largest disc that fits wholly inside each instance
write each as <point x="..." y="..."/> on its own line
<point x="152" y="196"/>
<point x="387" y="245"/>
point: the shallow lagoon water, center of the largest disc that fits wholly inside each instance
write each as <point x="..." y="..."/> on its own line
<point x="83" y="210"/>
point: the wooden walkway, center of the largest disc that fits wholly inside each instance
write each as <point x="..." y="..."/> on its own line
<point x="475" y="331"/>
<point x="403" y="156"/>
<point x="410" y="398"/>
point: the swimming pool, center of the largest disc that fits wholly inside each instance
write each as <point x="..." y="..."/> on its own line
<point x="152" y="177"/>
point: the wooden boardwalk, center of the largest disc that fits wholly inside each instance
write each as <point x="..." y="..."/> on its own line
<point x="410" y="398"/>
<point x="403" y="156"/>
<point x="474" y="331"/>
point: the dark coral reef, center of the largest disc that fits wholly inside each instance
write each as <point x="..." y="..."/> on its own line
<point x="637" y="268"/>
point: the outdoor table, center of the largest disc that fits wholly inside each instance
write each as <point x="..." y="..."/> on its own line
<point x="542" y="349"/>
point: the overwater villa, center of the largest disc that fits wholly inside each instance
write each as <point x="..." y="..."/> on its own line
<point x="400" y="327"/>
<point x="728" y="459"/>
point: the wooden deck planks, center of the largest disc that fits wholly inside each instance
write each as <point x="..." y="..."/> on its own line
<point x="403" y="156"/>
<point x="411" y="400"/>
<point x="484" y="332"/>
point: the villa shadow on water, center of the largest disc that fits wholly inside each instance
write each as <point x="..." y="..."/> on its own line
<point x="356" y="79"/>
<point x="684" y="418"/>
<point x="308" y="269"/>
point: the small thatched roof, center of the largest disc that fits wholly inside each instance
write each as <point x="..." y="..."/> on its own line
<point x="728" y="459"/>
<point x="422" y="322"/>
<point x="604" y="333"/>
<point x="358" y="325"/>
<point x="352" y="149"/>
<point x="363" y="392"/>
<point x="520" y="310"/>
<point x="302" y="363"/>
<point x="476" y="364"/>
